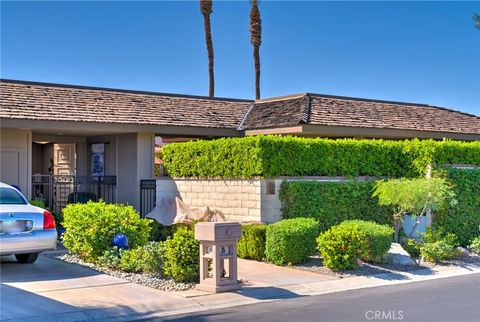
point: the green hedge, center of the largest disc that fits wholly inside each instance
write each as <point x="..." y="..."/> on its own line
<point x="462" y="219"/>
<point x="330" y="203"/>
<point x="291" y="241"/>
<point x="252" y="243"/>
<point x="271" y="156"/>
<point x="379" y="238"/>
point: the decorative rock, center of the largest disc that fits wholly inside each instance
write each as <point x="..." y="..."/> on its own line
<point x="462" y="252"/>
<point x="398" y="256"/>
<point x="151" y="280"/>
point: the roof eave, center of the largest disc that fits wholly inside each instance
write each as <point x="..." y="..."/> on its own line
<point x="362" y="132"/>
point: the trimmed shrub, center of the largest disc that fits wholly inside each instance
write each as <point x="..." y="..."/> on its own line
<point x="181" y="260"/>
<point x="90" y="227"/>
<point x="330" y="203"/>
<point x="436" y="245"/>
<point x="379" y="238"/>
<point x="252" y="243"/>
<point x="342" y="246"/>
<point x="272" y="156"/>
<point x="463" y="218"/>
<point x="291" y="241"/>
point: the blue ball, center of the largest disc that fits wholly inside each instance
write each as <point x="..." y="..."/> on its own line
<point x="120" y="240"/>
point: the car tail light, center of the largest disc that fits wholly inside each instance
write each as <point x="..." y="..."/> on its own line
<point x="48" y="220"/>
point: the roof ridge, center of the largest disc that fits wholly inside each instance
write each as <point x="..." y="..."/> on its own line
<point x="307" y="112"/>
<point x="244" y="118"/>
<point x="389" y="102"/>
<point x="120" y="90"/>
<point x="280" y="98"/>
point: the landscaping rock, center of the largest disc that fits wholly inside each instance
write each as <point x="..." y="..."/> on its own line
<point x="151" y="280"/>
<point x="398" y="256"/>
<point x="462" y="252"/>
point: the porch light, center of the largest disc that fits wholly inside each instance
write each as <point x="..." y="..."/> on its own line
<point x="41" y="142"/>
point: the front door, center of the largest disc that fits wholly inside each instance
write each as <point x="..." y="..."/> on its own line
<point x="64" y="167"/>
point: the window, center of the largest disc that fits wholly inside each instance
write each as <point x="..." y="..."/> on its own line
<point x="10" y="196"/>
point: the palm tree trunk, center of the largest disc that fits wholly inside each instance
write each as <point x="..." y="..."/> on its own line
<point x="256" y="41"/>
<point x="208" y="39"/>
<point x="256" y="57"/>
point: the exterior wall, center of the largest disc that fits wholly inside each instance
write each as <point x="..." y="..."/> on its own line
<point x="16" y="158"/>
<point x="135" y="161"/>
<point x="239" y="200"/>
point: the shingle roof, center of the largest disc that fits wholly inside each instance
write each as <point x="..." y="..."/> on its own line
<point x="39" y="101"/>
<point x="51" y="102"/>
<point x="352" y="112"/>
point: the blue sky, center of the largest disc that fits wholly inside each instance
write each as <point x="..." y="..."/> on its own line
<point x="426" y="52"/>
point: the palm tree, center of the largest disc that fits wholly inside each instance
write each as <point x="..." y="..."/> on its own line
<point x="477" y="20"/>
<point x="206" y="10"/>
<point x="256" y="40"/>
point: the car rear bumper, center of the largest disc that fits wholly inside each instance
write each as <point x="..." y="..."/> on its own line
<point x="33" y="242"/>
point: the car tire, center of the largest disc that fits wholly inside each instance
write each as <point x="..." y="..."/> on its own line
<point x="26" y="258"/>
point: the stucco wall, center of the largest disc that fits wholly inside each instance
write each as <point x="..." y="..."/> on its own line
<point x="16" y="158"/>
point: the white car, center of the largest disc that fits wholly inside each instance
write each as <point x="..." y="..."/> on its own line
<point x="25" y="230"/>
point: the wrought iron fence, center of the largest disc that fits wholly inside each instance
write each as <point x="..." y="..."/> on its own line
<point x="148" y="195"/>
<point x="56" y="191"/>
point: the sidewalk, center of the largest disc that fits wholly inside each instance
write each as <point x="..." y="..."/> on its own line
<point x="56" y="291"/>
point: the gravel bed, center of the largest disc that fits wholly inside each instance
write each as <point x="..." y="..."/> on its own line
<point x="156" y="281"/>
<point x="315" y="265"/>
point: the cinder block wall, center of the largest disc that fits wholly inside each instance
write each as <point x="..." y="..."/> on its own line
<point x="239" y="200"/>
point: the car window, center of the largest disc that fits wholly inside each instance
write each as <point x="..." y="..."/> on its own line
<point x="10" y="196"/>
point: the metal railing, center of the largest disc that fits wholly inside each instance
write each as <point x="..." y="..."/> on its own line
<point x="56" y="191"/>
<point x="148" y="196"/>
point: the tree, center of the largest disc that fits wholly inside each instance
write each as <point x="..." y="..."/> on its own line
<point x="476" y="17"/>
<point x="206" y="10"/>
<point x="256" y="41"/>
<point x="414" y="197"/>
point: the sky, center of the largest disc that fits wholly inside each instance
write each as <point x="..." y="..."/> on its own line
<point x="423" y="52"/>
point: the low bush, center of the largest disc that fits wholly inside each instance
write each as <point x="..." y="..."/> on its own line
<point x="463" y="218"/>
<point x="38" y="203"/>
<point x="252" y="243"/>
<point x="291" y="241"/>
<point x="90" y="228"/>
<point x="148" y="258"/>
<point x="181" y="259"/>
<point x="330" y="203"/>
<point x="379" y="238"/>
<point x="475" y="245"/>
<point x="159" y="231"/>
<point x="111" y="258"/>
<point x="342" y="246"/>
<point x="411" y="246"/>
<point x="437" y="245"/>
